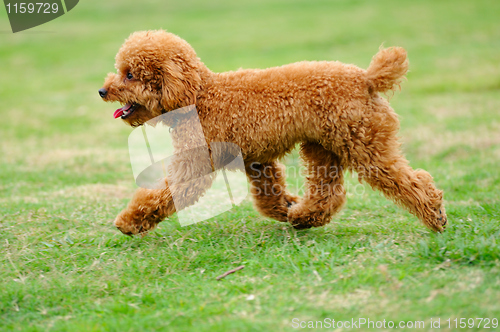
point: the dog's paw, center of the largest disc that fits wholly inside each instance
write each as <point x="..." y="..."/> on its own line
<point x="124" y="227"/>
<point x="442" y="219"/>
<point x="300" y="226"/>
<point x="130" y="227"/>
<point x="297" y="219"/>
<point x="437" y="221"/>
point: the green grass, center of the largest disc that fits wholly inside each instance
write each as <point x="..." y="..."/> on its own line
<point x="65" y="174"/>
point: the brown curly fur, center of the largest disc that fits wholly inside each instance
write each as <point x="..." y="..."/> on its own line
<point x="333" y="110"/>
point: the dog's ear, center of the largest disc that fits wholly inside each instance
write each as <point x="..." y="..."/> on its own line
<point x="180" y="84"/>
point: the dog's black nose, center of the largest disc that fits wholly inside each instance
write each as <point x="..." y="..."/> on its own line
<point x="103" y="92"/>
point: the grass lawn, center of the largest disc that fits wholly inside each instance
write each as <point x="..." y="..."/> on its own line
<point x="65" y="175"/>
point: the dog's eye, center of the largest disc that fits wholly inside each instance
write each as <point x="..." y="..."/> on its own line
<point x="129" y="76"/>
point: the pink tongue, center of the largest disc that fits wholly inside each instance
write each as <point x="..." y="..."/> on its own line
<point x="118" y="113"/>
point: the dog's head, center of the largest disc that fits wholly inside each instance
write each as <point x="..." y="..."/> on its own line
<point x="156" y="72"/>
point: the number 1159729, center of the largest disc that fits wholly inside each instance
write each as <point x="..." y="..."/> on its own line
<point x="30" y="7"/>
<point x="484" y="323"/>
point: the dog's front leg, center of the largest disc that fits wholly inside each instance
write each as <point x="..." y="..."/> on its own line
<point x="269" y="190"/>
<point x="189" y="176"/>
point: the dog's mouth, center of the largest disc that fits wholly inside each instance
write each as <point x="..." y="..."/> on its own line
<point x="125" y="111"/>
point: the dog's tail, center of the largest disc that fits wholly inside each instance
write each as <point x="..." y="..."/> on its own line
<point x="387" y="69"/>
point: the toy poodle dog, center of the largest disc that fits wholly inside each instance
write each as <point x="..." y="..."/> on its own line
<point x="334" y="111"/>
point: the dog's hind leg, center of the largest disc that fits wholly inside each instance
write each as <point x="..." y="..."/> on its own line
<point x="377" y="158"/>
<point x="325" y="192"/>
<point x="268" y="189"/>
<point x="390" y="173"/>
